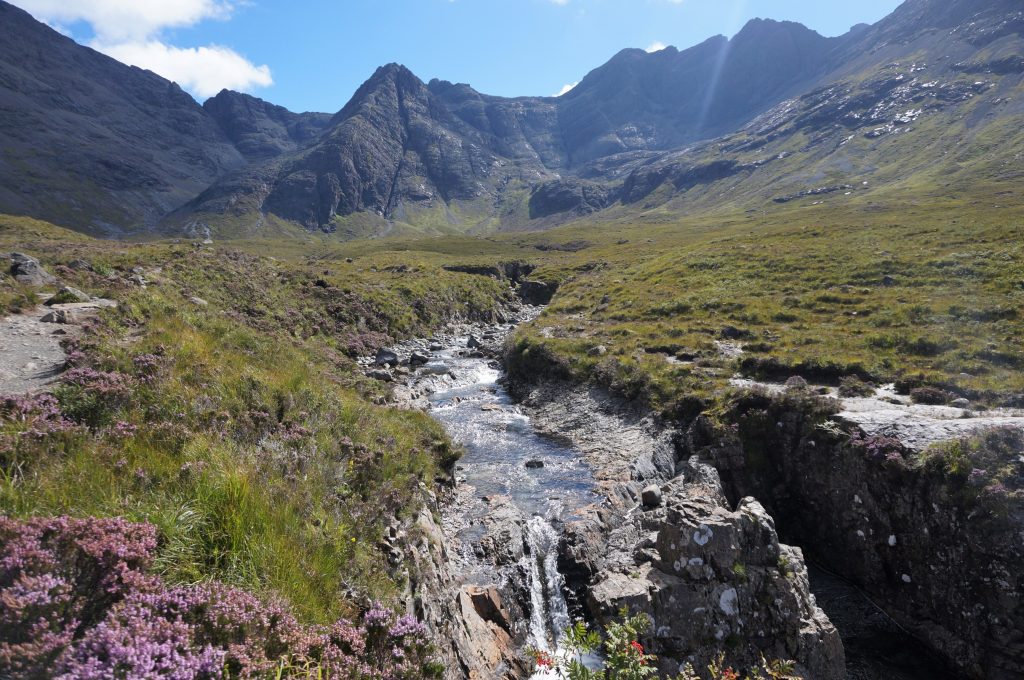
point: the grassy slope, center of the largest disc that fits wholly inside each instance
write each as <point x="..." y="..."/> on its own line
<point x="806" y="285"/>
<point x="242" y="428"/>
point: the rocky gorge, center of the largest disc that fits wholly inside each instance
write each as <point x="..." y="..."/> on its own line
<point x="704" y="526"/>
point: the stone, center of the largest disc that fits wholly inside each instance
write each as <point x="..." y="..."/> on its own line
<point x="597" y="351"/>
<point x="198" y="301"/>
<point x="27" y="271"/>
<point x="490" y="407"/>
<point x="436" y="347"/>
<point x="534" y="464"/>
<point x="418" y="359"/>
<point x="651" y="496"/>
<point x="961" y="403"/>
<point x="68" y="294"/>
<point x="386" y="356"/>
<point x="383" y="376"/>
<point x="80" y="265"/>
<point x="473" y="343"/>
<point x="436" y="368"/>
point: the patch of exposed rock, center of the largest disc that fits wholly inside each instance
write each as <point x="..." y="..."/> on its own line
<point x="939" y="552"/>
<point x="712" y="578"/>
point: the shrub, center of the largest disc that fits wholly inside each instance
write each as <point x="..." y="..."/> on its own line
<point x="79" y="605"/>
<point x="852" y="386"/>
<point x="929" y="395"/>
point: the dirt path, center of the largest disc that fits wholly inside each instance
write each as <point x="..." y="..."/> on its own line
<point x="31" y="356"/>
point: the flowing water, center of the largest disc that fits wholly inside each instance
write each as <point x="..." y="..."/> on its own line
<point x="499" y="441"/>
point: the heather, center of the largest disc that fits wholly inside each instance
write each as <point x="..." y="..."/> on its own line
<point x="220" y="403"/>
<point x="80" y="603"/>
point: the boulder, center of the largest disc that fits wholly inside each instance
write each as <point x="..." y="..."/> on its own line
<point x="711" y="580"/>
<point x="534" y="464"/>
<point x="651" y="496"/>
<point x="383" y="376"/>
<point x="27" y="271"/>
<point x="418" y="359"/>
<point x="436" y="368"/>
<point x="198" y="301"/>
<point x="597" y="351"/>
<point x="68" y="294"/>
<point x="386" y="356"/>
<point x="473" y="343"/>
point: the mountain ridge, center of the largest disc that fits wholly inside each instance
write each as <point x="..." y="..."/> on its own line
<point x="640" y="131"/>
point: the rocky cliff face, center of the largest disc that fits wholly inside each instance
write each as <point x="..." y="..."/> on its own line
<point x="939" y="550"/>
<point x="261" y="130"/>
<point x="711" y="574"/>
<point x="92" y="144"/>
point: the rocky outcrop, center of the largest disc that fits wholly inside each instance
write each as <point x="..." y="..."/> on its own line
<point x="473" y="626"/>
<point x="711" y="579"/>
<point x="259" y="129"/>
<point x="936" y="544"/>
<point x="27" y="271"/>
<point x="534" y="292"/>
<point x="711" y="575"/>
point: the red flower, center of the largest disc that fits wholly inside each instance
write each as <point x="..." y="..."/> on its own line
<point x="730" y="674"/>
<point x="638" y="647"/>
<point x="544" y="659"/>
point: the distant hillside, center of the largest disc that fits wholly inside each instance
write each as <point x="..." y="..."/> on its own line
<point x="928" y="96"/>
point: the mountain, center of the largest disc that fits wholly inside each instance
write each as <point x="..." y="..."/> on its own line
<point x="90" y="143"/>
<point x="775" y="114"/>
<point x="259" y="129"/>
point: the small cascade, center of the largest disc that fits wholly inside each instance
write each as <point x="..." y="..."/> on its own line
<point x="549" y="612"/>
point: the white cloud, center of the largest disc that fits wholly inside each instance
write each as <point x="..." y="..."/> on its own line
<point x="127" y="20"/>
<point x="204" y="71"/>
<point x="565" y="88"/>
<point x="130" y="31"/>
<point x="656" y="46"/>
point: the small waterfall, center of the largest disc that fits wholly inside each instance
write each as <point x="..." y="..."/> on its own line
<point x="549" y="613"/>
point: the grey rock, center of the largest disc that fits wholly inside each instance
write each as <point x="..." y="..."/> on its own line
<point x="473" y="343"/>
<point x="386" y="356"/>
<point x="418" y="359"/>
<point x="383" y="376"/>
<point x="651" y="496"/>
<point x="534" y="464"/>
<point x="597" y="351"/>
<point x="26" y="270"/>
<point x="68" y="294"/>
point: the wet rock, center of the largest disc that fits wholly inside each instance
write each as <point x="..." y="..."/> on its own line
<point x="436" y="347"/>
<point x="418" y="359"/>
<point x="386" y="356"/>
<point x="534" y="464"/>
<point x="436" y="368"/>
<point x="27" y="271"/>
<point x="651" y="496"/>
<point x="473" y="343"/>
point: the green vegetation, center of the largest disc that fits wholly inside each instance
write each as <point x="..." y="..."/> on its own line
<point x="221" y="403"/>
<point x="918" y="290"/>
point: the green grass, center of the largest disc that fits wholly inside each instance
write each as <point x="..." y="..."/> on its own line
<point x="806" y="288"/>
<point x="247" y="434"/>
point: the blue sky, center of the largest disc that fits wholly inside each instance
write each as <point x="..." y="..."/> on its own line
<point x="313" y="54"/>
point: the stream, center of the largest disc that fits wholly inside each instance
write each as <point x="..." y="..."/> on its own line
<point x="547" y="482"/>
<point x="499" y="442"/>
